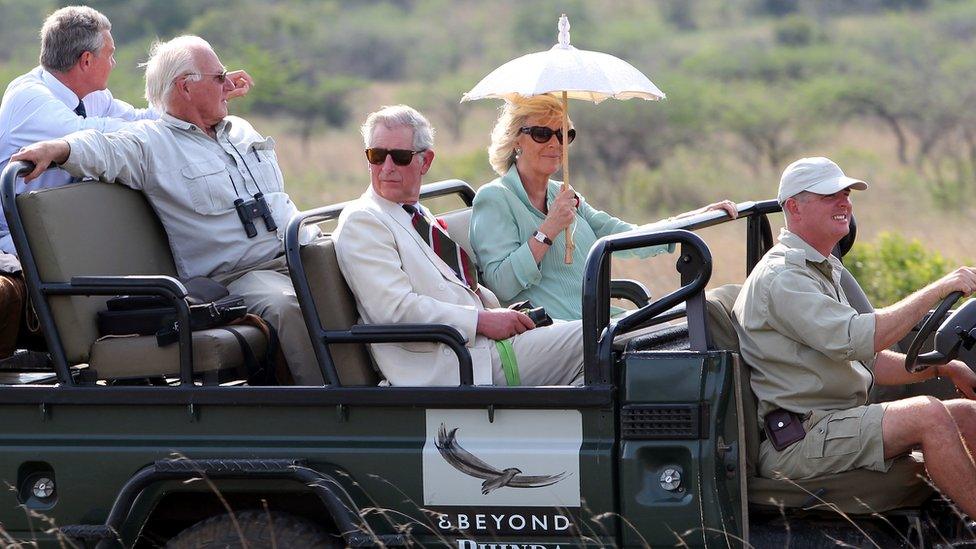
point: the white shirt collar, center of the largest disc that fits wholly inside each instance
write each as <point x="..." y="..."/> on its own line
<point x="59" y="90"/>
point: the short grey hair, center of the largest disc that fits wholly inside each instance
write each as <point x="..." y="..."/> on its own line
<point x="70" y="32"/>
<point x="396" y="116"/>
<point x="167" y="62"/>
<point x="802" y="196"/>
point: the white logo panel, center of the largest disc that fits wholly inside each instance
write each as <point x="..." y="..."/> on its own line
<point x="523" y="458"/>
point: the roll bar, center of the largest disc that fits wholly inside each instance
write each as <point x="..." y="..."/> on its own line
<point x="694" y="264"/>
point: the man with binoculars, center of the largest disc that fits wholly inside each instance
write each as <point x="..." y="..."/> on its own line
<point x="212" y="179"/>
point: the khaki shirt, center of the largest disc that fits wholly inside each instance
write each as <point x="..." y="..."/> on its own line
<point x="807" y="347"/>
<point x="191" y="181"/>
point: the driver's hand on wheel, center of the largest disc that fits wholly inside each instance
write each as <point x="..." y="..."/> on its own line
<point x="961" y="375"/>
<point x="962" y="280"/>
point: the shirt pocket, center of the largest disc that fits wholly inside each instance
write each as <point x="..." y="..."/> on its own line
<point x="837" y="435"/>
<point x="263" y="161"/>
<point x="209" y="186"/>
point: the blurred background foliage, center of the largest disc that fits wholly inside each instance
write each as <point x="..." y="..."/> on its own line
<point x="882" y="86"/>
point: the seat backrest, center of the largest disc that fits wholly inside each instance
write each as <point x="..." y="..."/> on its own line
<point x="91" y="229"/>
<point x="336" y="309"/>
<point x="721" y="329"/>
<point x="458" y="224"/>
<point x="855" y="294"/>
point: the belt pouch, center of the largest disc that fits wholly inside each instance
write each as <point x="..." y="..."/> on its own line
<point x="784" y="428"/>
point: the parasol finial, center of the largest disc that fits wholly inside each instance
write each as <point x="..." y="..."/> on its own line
<point x="563" y="31"/>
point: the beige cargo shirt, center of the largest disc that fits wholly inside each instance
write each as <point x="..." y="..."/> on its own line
<point x="192" y="180"/>
<point x="807" y="347"/>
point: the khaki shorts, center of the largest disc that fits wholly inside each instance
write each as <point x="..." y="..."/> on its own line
<point x="836" y="441"/>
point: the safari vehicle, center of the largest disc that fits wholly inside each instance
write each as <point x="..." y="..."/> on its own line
<point x="122" y="442"/>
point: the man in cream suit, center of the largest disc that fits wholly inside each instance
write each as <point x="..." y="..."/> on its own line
<point x="398" y="278"/>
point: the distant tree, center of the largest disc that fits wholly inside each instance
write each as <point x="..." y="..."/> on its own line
<point x="441" y="100"/>
<point x="772" y="123"/>
<point x="615" y="134"/>
<point x="311" y="99"/>
<point x="919" y="87"/>
<point x="136" y="19"/>
<point x="285" y="85"/>
<point x="19" y="24"/>
<point x="906" y="4"/>
<point x="534" y="26"/>
<point x="796" y="31"/>
<point x="680" y="14"/>
<point x="778" y="8"/>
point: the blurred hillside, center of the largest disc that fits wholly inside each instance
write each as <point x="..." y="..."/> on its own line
<point x="881" y="86"/>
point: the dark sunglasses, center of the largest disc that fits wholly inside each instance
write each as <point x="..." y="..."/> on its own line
<point x="542" y="134"/>
<point x="401" y="157"/>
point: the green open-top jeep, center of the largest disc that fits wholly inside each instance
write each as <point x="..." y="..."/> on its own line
<point x="125" y="442"/>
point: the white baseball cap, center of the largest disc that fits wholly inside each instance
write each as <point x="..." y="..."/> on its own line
<point x="816" y="174"/>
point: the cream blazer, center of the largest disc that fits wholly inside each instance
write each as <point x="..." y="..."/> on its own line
<point x="397" y="278"/>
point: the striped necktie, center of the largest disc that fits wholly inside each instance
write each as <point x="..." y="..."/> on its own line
<point x="445" y="248"/>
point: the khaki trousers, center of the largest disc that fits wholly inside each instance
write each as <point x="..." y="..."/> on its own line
<point x="551" y="355"/>
<point x="268" y="293"/>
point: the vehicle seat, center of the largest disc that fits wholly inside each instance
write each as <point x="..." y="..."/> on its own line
<point x="856" y="492"/>
<point x="458" y="224"/>
<point x="107" y="229"/>
<point x="336" y="309"/>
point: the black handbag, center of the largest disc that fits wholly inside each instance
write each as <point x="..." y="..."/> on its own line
<point x="211" y="305"/>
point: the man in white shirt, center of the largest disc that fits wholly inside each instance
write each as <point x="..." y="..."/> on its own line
<point x="194" y="165"/>
<point x="66" y="93"/>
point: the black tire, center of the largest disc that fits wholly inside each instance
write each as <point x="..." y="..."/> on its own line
<point x="256" y="526"/>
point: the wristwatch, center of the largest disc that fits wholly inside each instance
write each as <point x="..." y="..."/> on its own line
<point x="542" y="238"/>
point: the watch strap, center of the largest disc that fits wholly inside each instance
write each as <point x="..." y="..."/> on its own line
<point x="541" y="237"/>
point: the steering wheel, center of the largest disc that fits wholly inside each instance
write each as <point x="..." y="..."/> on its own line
<point x="952" y="333"/>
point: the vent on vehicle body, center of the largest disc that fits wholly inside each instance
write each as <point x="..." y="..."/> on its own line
<point x="663" y="421"/>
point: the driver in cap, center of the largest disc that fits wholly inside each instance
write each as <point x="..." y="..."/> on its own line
<point x="814" y="357"/>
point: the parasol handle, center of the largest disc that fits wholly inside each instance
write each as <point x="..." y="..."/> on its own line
<point x="570" y="246"/>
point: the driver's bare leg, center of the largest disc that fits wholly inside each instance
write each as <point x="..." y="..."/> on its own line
<point x="964" y="414"/>
<point x="927" y="422"/>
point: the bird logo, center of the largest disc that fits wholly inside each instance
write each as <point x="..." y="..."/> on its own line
<point x="471" y="465"/>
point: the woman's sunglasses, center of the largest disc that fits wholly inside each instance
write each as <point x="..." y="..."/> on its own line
<point x="401" y="157"/>
<point x="542" y="134"/>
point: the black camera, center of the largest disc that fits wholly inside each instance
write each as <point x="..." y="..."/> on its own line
<point x="247" y="211"/>
<point x="538" y="315"/>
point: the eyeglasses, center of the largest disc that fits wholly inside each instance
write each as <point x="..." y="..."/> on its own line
<point x="401" y="157"/>
<point x="219" y="77"/>
<point x="542" y="134"/>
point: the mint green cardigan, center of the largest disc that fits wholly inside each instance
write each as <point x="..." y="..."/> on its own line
<point x="503" y="220"/>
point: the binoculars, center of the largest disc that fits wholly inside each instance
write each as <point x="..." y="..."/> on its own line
<point x="247" y="211"/>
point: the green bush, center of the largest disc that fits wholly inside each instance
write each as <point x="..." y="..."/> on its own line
<point x="893" y="267"/>
<point x="796" y="31"/>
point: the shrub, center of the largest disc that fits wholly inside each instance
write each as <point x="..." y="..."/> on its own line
<point x="796" y="31"/>
<point x="893" y="267"/>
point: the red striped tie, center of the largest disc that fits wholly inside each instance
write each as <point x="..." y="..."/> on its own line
<point x="445" y="248"/>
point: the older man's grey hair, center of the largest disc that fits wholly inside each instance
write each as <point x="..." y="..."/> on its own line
<point x="396" y="116"/>
<point x="169" y="61"/>
<point x="70" y="32"/>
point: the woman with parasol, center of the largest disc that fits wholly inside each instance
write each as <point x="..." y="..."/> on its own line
<point x="522" y="215"/>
